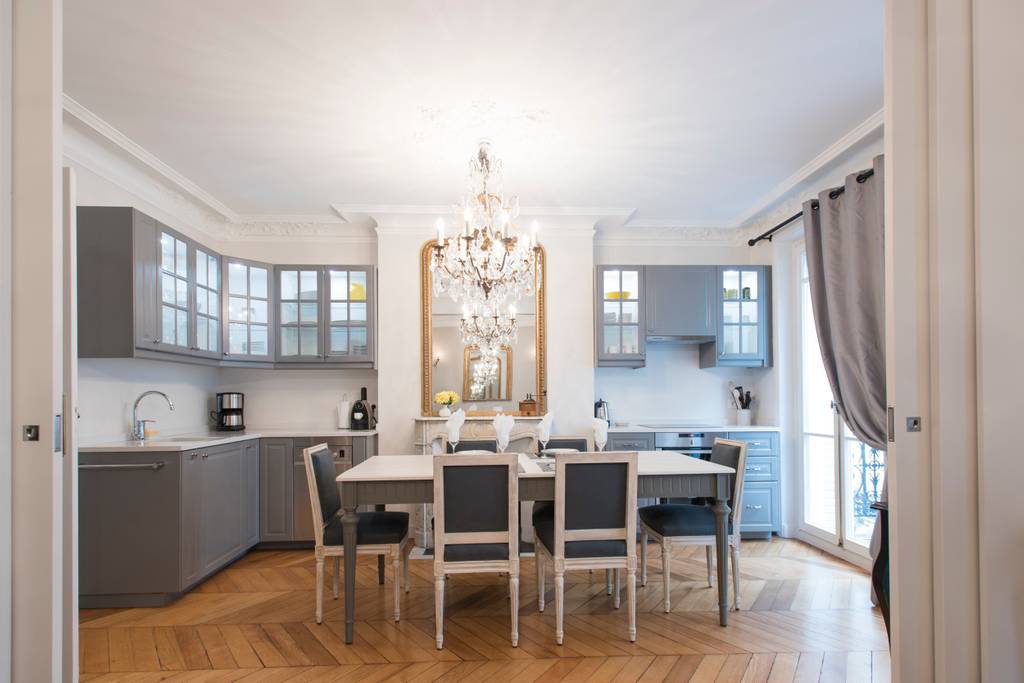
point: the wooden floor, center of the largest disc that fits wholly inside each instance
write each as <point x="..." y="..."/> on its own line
<point x="805" y="617"/>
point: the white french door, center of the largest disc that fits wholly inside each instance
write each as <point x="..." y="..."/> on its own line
<point x="842" y="476"/>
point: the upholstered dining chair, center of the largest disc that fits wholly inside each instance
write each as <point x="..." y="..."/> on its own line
<point x="476" y="500"/>
<point x="490" y="445"/>
<point x="672" y="524"/>
<point x="377" y="533"/>
<point x="592" y="525"/>
<point x="583" y="444"/>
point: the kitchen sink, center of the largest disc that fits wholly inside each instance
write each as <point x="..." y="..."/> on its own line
<point x="182" y="439"/>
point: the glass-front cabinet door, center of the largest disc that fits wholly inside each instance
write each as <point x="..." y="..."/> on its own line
<point x="620" y="313"/>
<point x="206" y="267"/>
<point x="300" y="332"/>
<point x="743" y="327"/>
<point x="248" y="307"/>
<point x="347" y="301"/>
<point x="175" y="309"/>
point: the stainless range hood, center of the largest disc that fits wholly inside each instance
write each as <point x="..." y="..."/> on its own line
<point x="678" y="339"/>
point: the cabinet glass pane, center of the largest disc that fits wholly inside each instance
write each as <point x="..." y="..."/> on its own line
<point x="730" y="339"/>
<point x="202" y="301"/>
<point x="214" y="304"/>
<point x="167" y="324"/>
<point x="730" y="284"/>
<point x="630" y="312"/>
<point x="258" y="340"/>
<point x="339" y="340"/>
<point x="289" y="284"/>
<point x="612" y="284"/>
<point x="202" y="270"/>
<point x="289" y="313"/>
<point x="630" y="339"/>
<point x="236" y="338"/>
<point x="358" y="312"/>
<point x="748" y="338"/>
<point x="731" y="312"/>
<point x="308" y="312"/>
<point x="167" y="288"/>
<point x="237" y="309"/>
<point x="630" y="284"/>
<point x="357" y="339"/>
<point x="339" y="285"/>
<point x="182" y="327"/>
<point x="289" y="341"/>
<point x="611" y="311"/>
<point x="236" y="279"/>
<point x="214" y="329"/>
<point x="748" y="284"/>
<point x="181" y="292"/>
<point x="167" y="252"/>
<point x="180" y="256"/>
<point x="214" y="271"/>
<point x="308" y="345"/>
<point x="258" y="311"/>
<point x="749" y="311"/>
<point x="202" y="333"/>
<point x="307" y="284"/>
<point x="612" y="338"/>
<point x="258" y="282"/>
<point x="339" y="312"/>
<point x="357" y="286"/>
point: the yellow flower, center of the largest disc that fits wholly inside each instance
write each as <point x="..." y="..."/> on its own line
<point x="446" y="398"/>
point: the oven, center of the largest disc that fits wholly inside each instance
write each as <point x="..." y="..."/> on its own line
<point x="693" y="444"/>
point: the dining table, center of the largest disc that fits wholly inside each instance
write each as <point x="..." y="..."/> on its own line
<point x="409" y="479"/>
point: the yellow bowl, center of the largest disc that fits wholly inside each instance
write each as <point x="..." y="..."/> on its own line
<point x="618" y="295"/>
<point x="357" y="292"/>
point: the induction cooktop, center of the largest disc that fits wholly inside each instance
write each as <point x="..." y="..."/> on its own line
<point x="680" y="425"/>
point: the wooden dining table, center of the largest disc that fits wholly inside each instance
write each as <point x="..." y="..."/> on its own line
<point x="409" y="479"/>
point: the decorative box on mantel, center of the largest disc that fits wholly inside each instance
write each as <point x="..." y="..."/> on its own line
<point x="429" y="430"/>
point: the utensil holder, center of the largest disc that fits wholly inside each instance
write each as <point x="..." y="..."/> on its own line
<point x="743" y="417"/>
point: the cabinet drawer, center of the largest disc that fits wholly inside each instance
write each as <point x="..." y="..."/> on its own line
<point x="762" y="468"/>
<point x="758" y="443"/>
<point x="760" y="507"/>
<point x="639" y="441"/>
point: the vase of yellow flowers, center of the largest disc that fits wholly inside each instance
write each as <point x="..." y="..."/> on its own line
<point x="446" y="399"/>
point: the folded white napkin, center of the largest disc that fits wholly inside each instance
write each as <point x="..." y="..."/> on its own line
<point x="600" y="433"/>
<point x="454" y="425"/>
<point x="544" y="428"/>
<point x="503" y="430"/>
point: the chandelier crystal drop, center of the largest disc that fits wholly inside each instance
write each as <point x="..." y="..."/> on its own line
<point x="488" y="262"/>
<point x="488" y="328"/>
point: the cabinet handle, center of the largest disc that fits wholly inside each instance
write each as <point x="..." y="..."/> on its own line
<point x="206" y="455"/>
<point x="753" y="469"/>
<point x="132" y="466"/>
<point x="755" y="507"/>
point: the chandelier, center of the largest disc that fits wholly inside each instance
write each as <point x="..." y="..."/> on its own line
<point x="488" y="328"/>
<point x="485" y="372"/>
<point x="487" y="262"/>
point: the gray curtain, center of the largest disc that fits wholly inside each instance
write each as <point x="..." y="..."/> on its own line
<point x="846" y="269"/>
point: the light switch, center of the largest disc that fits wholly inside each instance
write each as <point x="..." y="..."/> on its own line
<point x="913" y="424"/>
<point x="30" y="432"/>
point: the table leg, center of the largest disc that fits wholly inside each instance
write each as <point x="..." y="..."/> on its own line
<point x="721" y="510"/>
<point x="348" y="524"/>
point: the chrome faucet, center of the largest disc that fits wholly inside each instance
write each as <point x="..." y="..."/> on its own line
<point x="139" y="426"/>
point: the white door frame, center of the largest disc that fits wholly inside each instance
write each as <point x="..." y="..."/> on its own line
<point x="6" y="158"/>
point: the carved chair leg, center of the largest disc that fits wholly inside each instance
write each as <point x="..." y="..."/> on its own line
<point x="736" y="575"/>
<point x="439" y="610"/>
<point x="337" y="575"/>
<point x="513" y="591"/>
<point x="396" y="567"/>
<point x="643" y="558"/>
<point x="319" y="590"/>
<point x="539" y="559"/>
<point x="617" y="595"/>
<point x="631" y="601"/>
<point x="559" y="606"/>
<point x="666" y="568"/>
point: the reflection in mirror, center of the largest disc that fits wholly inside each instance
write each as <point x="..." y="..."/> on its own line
<point x="486" y="377"/>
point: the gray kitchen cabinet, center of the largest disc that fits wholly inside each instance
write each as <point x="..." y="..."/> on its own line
<point x="762" y="509"/>
<point x="191" y="551"/>
<point x="680" y="301"/>
<point x="275" y="490"/>
<point x="248" y="311"/>
<point x="743" y="335"/>
<point x="251" y="458"/>
<point x="223" y="525"/>
<point x="620" y="316"/>
<point x="630" y="441"/>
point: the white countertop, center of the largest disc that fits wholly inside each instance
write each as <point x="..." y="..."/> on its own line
<point x="489" y="418"/>
<point x="187" y="442"/>
<point x="655" y="426"/>
<point x="420" y="467"/>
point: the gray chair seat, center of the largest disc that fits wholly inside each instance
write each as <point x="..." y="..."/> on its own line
<point x="543" y="511"/>
<point x="373" y="528"/>
<point x="545" y="533"/>
<point x="672" y="519"/>
<point x="475" y="552"/>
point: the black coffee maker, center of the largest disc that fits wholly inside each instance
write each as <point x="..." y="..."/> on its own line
<point x="228" y="415"/>
<point x="362" y="415"/>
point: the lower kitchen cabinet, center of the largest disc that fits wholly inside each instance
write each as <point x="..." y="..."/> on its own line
<point x="275" y="490"/>
<point x="630" y="441"/>
<point x="762" y="496"/>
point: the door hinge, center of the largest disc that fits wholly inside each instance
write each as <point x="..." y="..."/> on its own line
<point x="891" y="423"/>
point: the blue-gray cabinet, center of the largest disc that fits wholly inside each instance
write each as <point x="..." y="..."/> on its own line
<point x="620" y="316"/>
<point x="743" y="335"/>
<point x="762" y="510"/>
<point x="680" y="301"/>
<point x="630" y="441"/>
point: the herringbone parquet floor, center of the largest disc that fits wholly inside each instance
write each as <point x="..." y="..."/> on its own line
<point x="805" y="617"/>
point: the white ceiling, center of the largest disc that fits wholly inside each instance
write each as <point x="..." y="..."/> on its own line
<point x="688" y="111"/>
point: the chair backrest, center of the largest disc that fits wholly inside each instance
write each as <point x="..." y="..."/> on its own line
<point x="580" y="443"/>
<point x="476" y="500"/>
<point x="522" y="443"/>
<point x="595" y="498"/>
<point x="324" y="499"/>
<point x="732" y="454"/>
<point x="474" y="445"/>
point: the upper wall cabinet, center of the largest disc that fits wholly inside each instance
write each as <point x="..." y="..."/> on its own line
<point x="743" y="338"/>
<point x="680" y="302"/>
<point x="620" y="316"/>
<point x="249" y="313"/>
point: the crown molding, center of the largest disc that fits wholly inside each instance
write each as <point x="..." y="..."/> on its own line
<point x="669" y="235"/>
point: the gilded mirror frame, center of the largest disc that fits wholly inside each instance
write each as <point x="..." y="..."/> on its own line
<point x="504" y="368"/>
<point x="427" y="342"/>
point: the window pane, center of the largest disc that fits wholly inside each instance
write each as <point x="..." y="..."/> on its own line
<point x="180" y="262"/>
<point x="202" y="270"/>
<point x="307" y="284"/>
<point x="611" y="284"/>
<point x="749" y="311"/>
<point x="818" y="417"/>
<point x="730" y="339"/>
<point x="182" y="327"/>
<point x="630" y="284"/>
<point x="236" y="279"/>
<point x="630" y="311"/>
<point x="167" y="325"/>
<point x="308" y="345"/>
<point x="258" y="282"/>
<point x="167" y="252"/>
<point x="202" y="300"/>
<point x="730" y="284"/>
<point x="631" y="339"/>
<point x="308" y="312"/>
<point x="612" y="338"/>
<point x="167" y="288"/>
<point x="748" y="284"/>
<point x="289" y="313"/>
<point x="202" y="333"/>
<point x="339" y="312"/>
<point x="181" y="292"/>
<point x="236" y="338"/>
<point x="357" y="291"/>
<point x="357" y="339"/>
<point x="611" y="311"/>
<point x="730" y="312"/>
<point x="237" y="309"/>
<point x="258" y="311"/>
<point x="289" y="341"/>
<point x="339" y="285"/>
<point x="258" y="340"/>
<point x="820" y="482"/>
<point x="358" y="312"/>
<point x="748" y="340"/>
<point x="864" y="476"/>
<point x="339" y="340"/>
<point x="289" y="284"/>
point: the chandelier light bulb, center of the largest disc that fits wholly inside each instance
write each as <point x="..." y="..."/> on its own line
<point x="440" y="230"/>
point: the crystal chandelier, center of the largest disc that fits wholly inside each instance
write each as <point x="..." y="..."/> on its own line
<point x="488" y="328"/>
<point x="487" y="262"/>
<point x="485" y="371"/>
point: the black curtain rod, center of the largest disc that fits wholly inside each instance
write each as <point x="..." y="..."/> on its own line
<point x="861" y="177"/>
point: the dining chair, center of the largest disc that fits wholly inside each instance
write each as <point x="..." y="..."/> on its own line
<point x="672" y="524"/>
<point x="476" y="498"/>
<point x="490" y="445"/>
<point x="583" y="444"/>
<point x="377" y="533"/>
<point x="593" y="525"/>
